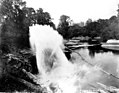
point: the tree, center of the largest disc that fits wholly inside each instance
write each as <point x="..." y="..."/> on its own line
<point x="63" y="26"/>
<point x="29" y="16"/>
<point x="89" y="21"/>
<point x="16" y="19"/>
<point x="93" y="29"/>
<point x="110" y="28"/>
<point x="75" y="30"/>
<point x="12" y="29"/>
<point x="10" y="9"/>
<point x="44" y="18"/>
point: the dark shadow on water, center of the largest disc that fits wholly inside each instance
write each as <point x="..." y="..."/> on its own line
<point x="95" y="50"/>
<point x="115" y="52"/>
<point x="99" y="49"/>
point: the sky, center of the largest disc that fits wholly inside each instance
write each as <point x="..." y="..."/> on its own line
<point x="77" y="10"/>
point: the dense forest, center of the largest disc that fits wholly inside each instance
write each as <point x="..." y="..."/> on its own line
<point x="15" y="19"/>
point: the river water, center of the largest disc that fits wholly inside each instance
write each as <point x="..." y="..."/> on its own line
<point x="106" y="60"/>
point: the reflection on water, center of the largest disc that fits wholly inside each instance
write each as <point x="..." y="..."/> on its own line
<point x="95" y="50"/>
<point x="107" y="60"/>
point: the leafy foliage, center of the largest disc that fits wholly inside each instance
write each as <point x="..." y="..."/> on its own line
<point x="64" y="26"/>
<point x="104" y="28"/>
<point x="16" y="18"/>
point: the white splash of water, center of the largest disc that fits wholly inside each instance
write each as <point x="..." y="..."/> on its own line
<point x="56" y="72"/>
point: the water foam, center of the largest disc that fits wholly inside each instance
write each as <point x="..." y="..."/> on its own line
<point x="56" y="72"/>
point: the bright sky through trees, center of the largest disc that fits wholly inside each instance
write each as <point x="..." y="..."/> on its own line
<point x="78" y="10"/>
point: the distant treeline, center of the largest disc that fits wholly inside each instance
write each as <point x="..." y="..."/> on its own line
<point x="103" y="28"/>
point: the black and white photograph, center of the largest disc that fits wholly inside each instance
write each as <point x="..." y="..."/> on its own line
<point x="59" y="46"/>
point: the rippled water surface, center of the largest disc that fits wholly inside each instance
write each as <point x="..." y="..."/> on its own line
<point x="106" y="60"/>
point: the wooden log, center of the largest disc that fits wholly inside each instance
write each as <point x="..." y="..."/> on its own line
<point x="35" y="88"/>
<point x="30" y="75"/>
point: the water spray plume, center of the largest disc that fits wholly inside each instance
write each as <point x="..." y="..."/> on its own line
<point x="56" y="73"/>
<point x="46" y="44"/>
